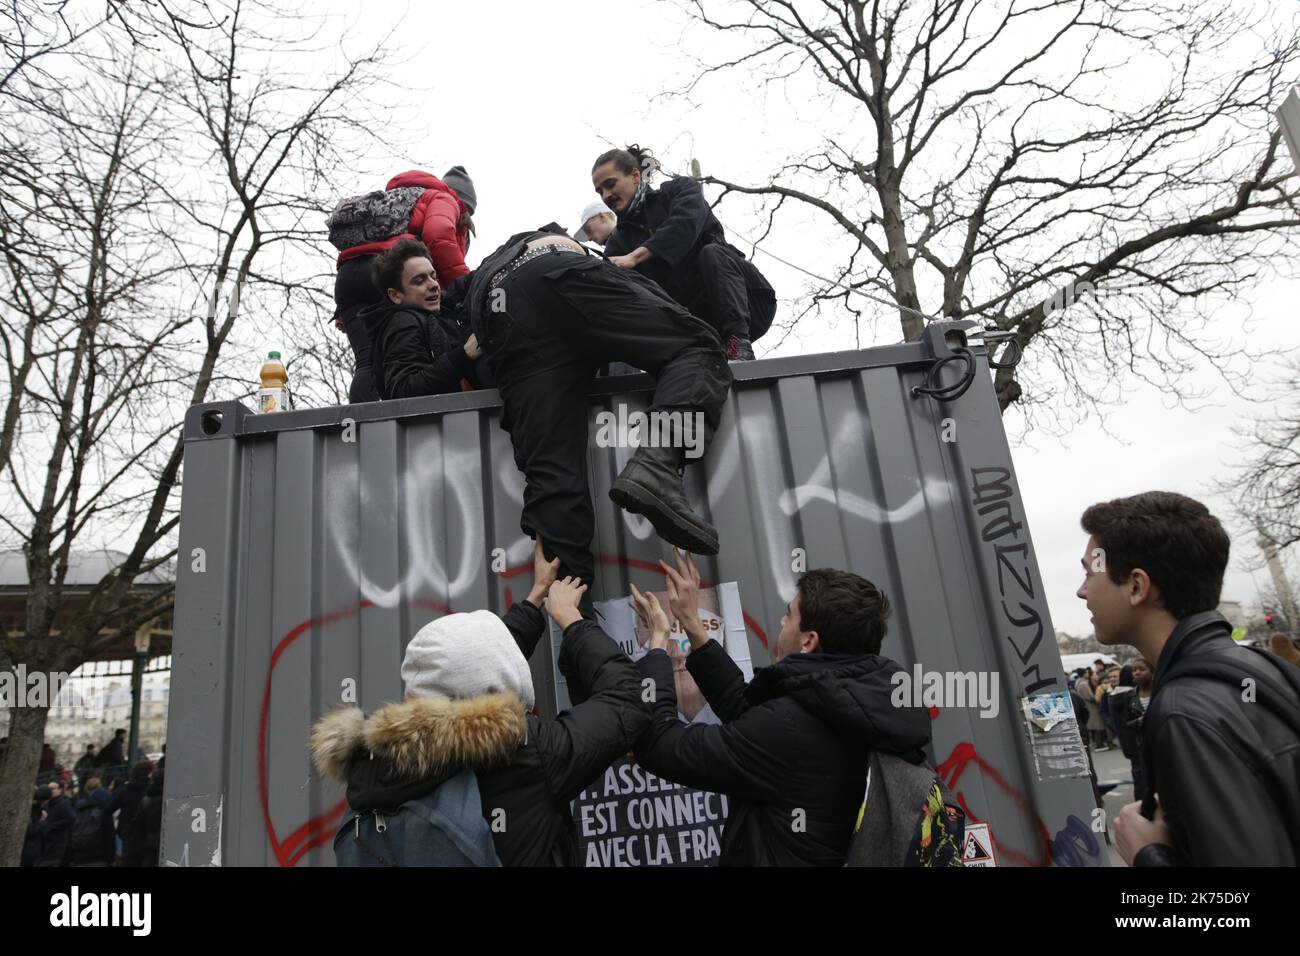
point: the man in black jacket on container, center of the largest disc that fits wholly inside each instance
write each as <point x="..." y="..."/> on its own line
<point x="792" y="749"/>
<point x="414" y="349"/>
<point x="548" y="316"/>
<point x="528" y="769"/>
<point x="1221" y="736"/>
<point x="672" y="236"/>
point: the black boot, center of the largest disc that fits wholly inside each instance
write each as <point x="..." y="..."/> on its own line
<point x="651" y="484"/>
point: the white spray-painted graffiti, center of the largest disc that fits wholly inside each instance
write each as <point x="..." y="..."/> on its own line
<point x="460" y="505"/>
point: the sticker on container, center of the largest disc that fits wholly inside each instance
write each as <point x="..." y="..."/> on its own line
<point x="1054" y="736"/>
<point x="978" y="847"/>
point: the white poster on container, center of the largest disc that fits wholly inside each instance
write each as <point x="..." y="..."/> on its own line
<point x="629" y="816"/>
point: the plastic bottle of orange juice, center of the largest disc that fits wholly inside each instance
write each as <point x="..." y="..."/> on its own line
<point x="273" y="396"/>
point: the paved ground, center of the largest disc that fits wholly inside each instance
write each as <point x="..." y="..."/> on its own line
<point x="1113" y="765"/>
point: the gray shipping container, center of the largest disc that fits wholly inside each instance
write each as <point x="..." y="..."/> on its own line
<point x="314" y="543"/>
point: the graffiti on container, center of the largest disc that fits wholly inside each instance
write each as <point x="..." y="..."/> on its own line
<point x="962" y="758"/>
<point x="1075" y="844"/>
<point x="457" y="514"/>
<point x="994" y="501"/>
<point x="320" y="829"/>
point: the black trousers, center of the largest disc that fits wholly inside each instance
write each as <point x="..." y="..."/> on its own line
<point x="565" y="316"/>
<point x="353" y="291"/>
<point x="712" y="286"/>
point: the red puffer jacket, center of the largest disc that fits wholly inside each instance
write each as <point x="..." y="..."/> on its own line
<point x="434" y="220"/>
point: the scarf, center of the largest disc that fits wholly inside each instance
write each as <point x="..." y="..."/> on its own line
<point x="638" y="200"/>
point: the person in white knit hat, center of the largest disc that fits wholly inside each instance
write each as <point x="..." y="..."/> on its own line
<point x="470" y="707"/>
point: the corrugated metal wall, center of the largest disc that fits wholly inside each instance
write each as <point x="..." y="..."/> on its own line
<point x="312" y="549"/>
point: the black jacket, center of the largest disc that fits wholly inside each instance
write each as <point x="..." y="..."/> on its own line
<point x="112" y="754"/>
<point x="32" y="839"/>
<point x="105" y="848"/>
<point x="56" y="832"/>
<point x="1227" y="770"/>
<point x="414" y="352"/>
<point x="126" y="803"/>
<point x="469" y="297"/>
<point x="675" y="223"/>
<point x="141" y="845"/>
<point x="528" y="768"/>
<point x="792" y="749"/>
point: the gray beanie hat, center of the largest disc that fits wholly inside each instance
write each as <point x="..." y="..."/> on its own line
<point x="462" y="186"/>
<point x="466" y="655"/>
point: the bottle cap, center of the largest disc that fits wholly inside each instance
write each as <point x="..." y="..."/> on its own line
<point x="273" y="355"/>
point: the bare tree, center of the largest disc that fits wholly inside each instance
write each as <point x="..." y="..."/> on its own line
<point x="1266" y="488"/>
<point x="170" y="176"/>
<point x="1012" y="162"/>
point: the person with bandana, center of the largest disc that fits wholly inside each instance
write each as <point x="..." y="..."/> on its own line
<point x="671" y="235"/>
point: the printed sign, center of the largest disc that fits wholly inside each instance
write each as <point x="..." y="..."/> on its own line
<point x="630" y="816"/>
<point x="1054" y="736"/>
<point x="978" y="847"/>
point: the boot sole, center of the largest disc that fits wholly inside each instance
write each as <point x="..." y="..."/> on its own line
<point x="669" y="525"/>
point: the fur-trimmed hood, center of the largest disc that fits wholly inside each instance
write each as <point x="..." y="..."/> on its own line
<point x="420" y="738"/>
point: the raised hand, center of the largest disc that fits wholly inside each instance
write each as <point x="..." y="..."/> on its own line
<point x="653" y="618"/>
<point x="544" y="573"/>
<point x="562" y="601"/>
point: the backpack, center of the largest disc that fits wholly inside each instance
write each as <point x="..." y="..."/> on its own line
<point x="443" y="828"/>
<point x="88" y="830"/>
<point x="762" y="300"/>
<point x="372" y="217"/>
<point x="911" y="818"/>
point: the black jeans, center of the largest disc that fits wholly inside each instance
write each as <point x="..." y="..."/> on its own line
<point x="353" y="291"/>
<point x="565" y="316"/>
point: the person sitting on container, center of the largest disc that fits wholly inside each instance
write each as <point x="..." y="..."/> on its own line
<point x="672" y="236"/>
<point x="415" y="350"/>
<point x="792" y="749"/>
<point x="469" y="706"/>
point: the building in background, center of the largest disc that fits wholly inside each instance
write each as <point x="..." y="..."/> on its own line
<point x="97" y="698"/>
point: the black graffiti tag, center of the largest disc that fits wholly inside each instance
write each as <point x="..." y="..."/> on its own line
<point x="994" y="501"/>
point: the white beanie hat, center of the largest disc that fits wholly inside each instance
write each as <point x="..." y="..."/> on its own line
<point x="466" y="655"/>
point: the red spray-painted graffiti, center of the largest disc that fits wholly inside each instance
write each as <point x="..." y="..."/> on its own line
<point x="951" y="770"/>
<point x="319" y="830"/>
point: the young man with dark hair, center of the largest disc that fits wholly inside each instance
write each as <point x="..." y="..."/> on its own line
<point x="671" y="235"/>
<point x="1221" y="735"/>
<point x="413" y="350"/>
<point x="792" y="749"/>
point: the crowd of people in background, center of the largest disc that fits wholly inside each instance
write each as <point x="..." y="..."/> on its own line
<point x="103" y="812"/>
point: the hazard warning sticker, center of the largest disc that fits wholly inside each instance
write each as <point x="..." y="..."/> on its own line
<point x="978" y="848"/>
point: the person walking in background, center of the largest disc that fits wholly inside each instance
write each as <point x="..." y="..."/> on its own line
<point x="84" y="768"/>
<point x="127" y="798"/>
<point x="144" y="838"/>
<point x="57" y="817"/>
<point x="1129" y="703"/>
<point x="1086" y="686"/>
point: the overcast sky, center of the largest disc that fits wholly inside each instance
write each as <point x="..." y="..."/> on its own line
<point x="529" y="146"/>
